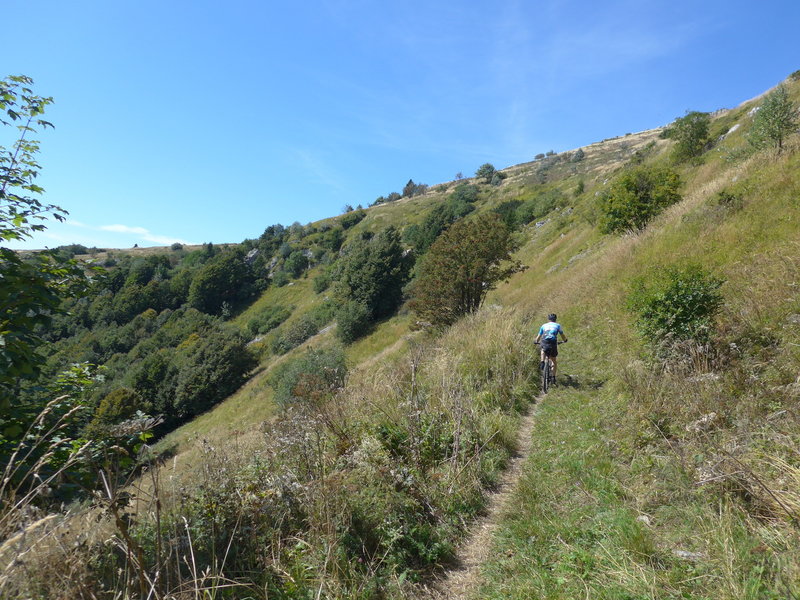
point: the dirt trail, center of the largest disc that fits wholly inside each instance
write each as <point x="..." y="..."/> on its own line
<point x="461" y="581"/>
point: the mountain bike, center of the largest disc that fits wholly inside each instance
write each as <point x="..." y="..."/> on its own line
<point x="547" y="376"/>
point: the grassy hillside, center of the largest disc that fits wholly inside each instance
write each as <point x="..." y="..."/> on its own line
<point x="655" y="473"/>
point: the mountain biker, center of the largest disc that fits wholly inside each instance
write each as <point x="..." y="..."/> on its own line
<point x="548" y="336"/>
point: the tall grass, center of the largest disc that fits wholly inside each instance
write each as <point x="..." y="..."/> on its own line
<point x="350" y="493"/>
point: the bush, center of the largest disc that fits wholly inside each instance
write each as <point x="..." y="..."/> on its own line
<point x="313" y="375"/>
<point x="268" y="320"/>
<point x="676" y="304"/>
<point x="352" y="218"/>
<point x="352" y="321"/>
<point x="321" y="282"/>
<point x="280" y="278"/>
<point x="295" y="334"/>
<point x="486" y="171"/>
<point x="637" y="196"/>
<point x="690" y="133"/>
<point x="296" y="263"/>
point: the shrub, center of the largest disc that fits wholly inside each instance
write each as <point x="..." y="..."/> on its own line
<point x="296" y="263"/>
<point x="312" y="375"/>
<point x="676" y="304"/>
<point x="352" y="321"/>
<point x="295" y="334"/>
<point x="486" y="171"/>
<point x="637" y="196"/>
<point x="690" y="133"/>
<point x="280" y="278"/>
<point x="321" y="282"/>
<point x="352" y="218"/>
<point x="268" y="320"/>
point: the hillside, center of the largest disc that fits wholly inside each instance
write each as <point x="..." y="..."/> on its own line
<point x="657" y="468"/>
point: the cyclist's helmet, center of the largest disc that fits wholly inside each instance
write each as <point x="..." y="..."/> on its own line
<point x="551" y="317"/>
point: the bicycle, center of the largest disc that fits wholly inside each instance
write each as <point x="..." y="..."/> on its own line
<point x="547" y="368"/>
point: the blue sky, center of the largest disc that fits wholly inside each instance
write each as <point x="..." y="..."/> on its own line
<point x="201" y="121"/>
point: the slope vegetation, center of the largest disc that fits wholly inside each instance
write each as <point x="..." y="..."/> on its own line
<point x="658" y="468"/>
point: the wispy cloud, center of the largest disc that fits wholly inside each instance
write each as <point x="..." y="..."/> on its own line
<point x="139" y="232"/>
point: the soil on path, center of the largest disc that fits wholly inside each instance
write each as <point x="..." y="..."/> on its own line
<point x="461" y="581"/>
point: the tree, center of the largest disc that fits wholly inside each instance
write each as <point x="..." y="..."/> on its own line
<point x="421" y="236"/>
<point x="373" y="272"/>
<point x="637" y="196"/>
<point x="467" y="261"/>
<point x="690" y="133"/>
<point x="775" y="120"/>
<point x="225" y="278"/>
<point x="218" y="367"/>
<point x="32" y="287"/>
<point x="486" y="171"/>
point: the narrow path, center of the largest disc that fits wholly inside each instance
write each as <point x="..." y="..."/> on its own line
<point x="461" y="581"/>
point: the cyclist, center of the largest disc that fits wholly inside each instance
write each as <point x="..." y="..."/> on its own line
<point x="548" y="336"/>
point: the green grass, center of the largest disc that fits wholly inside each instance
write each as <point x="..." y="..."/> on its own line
<point x="610" y="497"/>
<point x="613" y="491"/>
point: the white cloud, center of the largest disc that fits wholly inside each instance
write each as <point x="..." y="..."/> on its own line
<point x="140" y="233"/>
<point x="125" y="229"/>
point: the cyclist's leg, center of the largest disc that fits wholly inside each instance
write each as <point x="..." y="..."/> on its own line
<point x="555" y="365"/>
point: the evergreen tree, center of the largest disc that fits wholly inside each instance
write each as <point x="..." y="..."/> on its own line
<point x="373" y="273"/>
<point x="467" y="261"/>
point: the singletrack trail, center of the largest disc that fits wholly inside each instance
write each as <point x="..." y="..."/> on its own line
<point x="461" y="581"/>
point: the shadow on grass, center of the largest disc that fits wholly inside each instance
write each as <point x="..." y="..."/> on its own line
<point x="577" y="383"/>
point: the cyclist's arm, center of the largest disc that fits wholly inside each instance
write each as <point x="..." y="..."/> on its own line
<point x="563" y="337"/>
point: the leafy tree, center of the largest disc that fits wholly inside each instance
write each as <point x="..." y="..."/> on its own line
<point x="775" y="120"/>
<point x="332" y="239"/>
<point x="690" y="133"/>
<point x="218" y="367"/>
<point x="226" y="278"/>
<point x="373" y="272"/>
<point x="32" y="287"/>
<point x="296" y="263"/>
<point x="119" y="405"/>
<point x="486" y="171"/>
<point x="461" y="267"/>
<point x="637" y="196"/>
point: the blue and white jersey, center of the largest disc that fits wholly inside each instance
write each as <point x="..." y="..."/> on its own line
<point x="549" y="331"/>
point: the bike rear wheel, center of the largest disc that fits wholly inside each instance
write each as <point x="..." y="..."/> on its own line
<point x="546" y="375"/>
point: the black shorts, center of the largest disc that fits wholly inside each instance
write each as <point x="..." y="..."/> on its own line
<point x="550" y="347"/>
